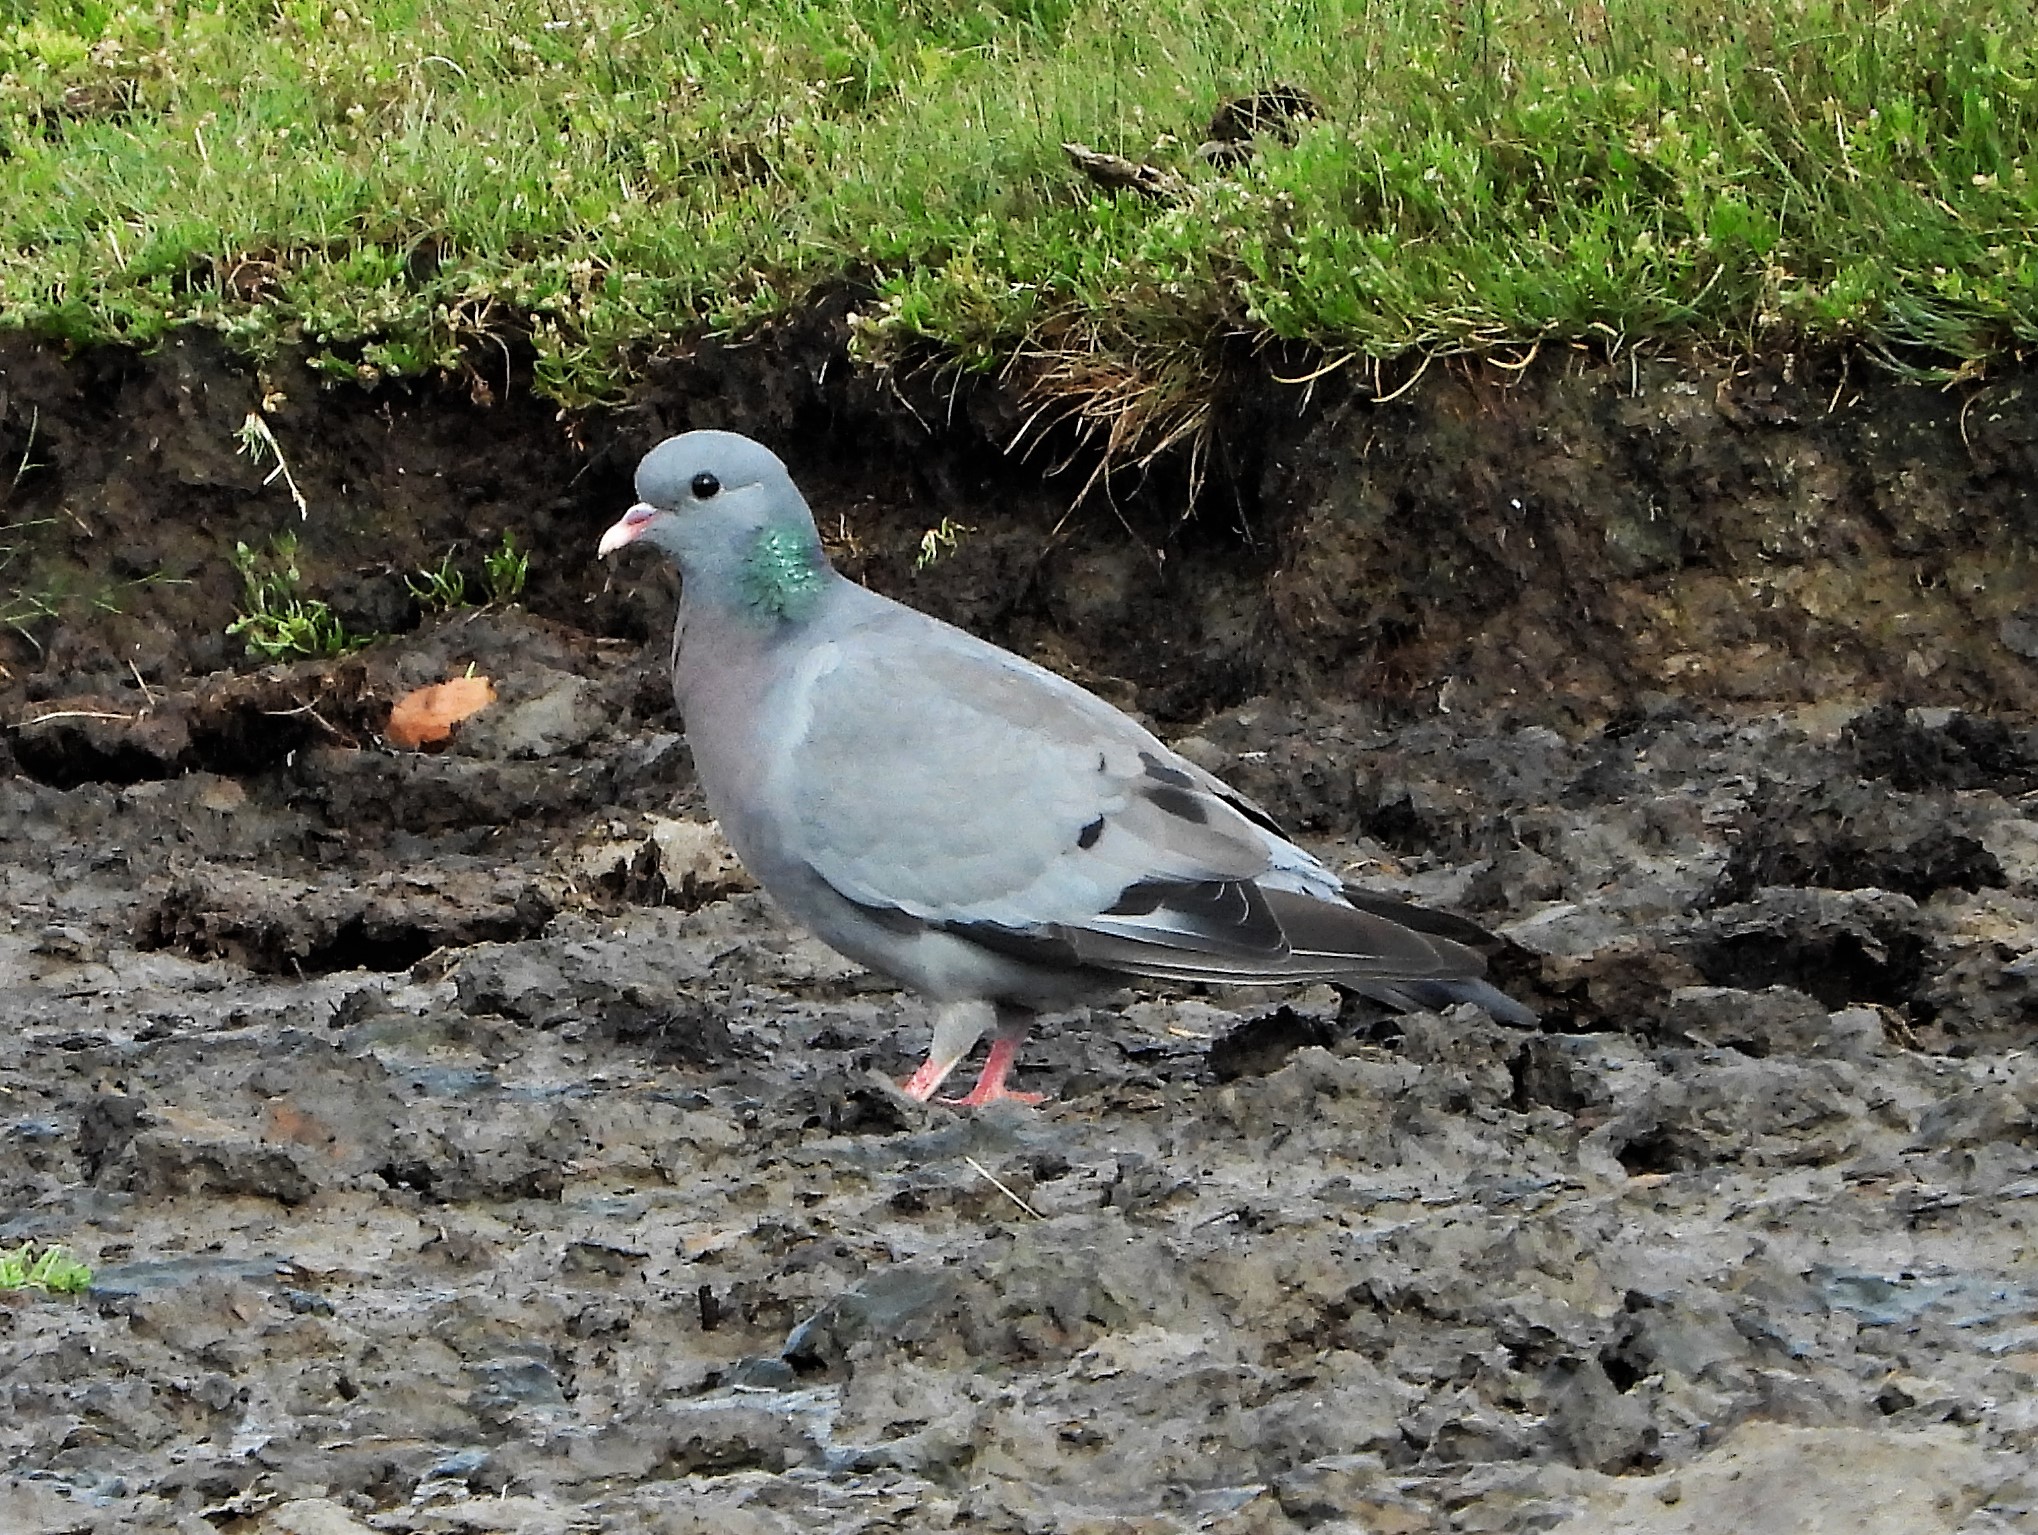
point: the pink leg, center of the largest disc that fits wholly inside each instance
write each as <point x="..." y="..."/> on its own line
<point x="991" y="1086"/>
<point x="922" y="1083"/>
<point x="957" y="1028"/>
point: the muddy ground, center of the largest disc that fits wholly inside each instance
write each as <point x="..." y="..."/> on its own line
<point x="461" y="1145"/>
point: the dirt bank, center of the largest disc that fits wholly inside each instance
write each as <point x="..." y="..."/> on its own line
<point x="1561" y="544"/>
<point x="461" y="1145"/>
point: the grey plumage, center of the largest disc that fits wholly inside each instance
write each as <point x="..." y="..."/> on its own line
<point x="964" y="821"/>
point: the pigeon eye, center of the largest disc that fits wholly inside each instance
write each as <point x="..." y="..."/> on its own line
<point x="704" y="486"/>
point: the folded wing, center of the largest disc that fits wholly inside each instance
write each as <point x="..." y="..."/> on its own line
<point x="936" y="780"/>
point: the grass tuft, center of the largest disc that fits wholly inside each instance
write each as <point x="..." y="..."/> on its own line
<point x="939" y="542"/>
<point x="444" y="587"/>
<point x="51" y="1270"/>
<point x="504" y="569"/>
<point x="441" y="588"/>
<point x="278" y="622"/>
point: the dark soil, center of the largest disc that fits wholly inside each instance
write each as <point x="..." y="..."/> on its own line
<point x="462" y="1145"/>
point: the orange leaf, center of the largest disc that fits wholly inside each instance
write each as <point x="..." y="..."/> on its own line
<point x="426" y="716"/>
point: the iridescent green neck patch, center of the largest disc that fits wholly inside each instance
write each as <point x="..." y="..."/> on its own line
<point x="782" y="574"/>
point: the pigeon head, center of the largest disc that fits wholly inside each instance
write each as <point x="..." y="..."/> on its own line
<point x="727" y="513"/>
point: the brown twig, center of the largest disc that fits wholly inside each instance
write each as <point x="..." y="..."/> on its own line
<point x="323" y="722"/>
<point x="1115" y="173"/>
<point x="78" y="714"/>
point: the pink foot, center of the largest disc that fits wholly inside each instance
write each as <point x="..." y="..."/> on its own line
<point x="980" y="1095"/>
<point x="991" y="1086"/>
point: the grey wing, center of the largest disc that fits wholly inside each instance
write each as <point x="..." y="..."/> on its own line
<point x="960" y="787"/>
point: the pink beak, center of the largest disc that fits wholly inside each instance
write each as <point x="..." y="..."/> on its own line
<point x="628" y="528"/>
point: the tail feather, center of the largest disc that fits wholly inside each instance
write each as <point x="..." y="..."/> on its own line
<point x="1434" y="996"/>
<point x="1424" y="919"/>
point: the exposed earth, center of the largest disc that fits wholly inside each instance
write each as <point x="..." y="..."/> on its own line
<point x="461" y="1145"/>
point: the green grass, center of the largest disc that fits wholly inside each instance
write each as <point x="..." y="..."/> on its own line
<point x="444" y="587"/>
<point x="939" y="543"/>
<point x="21" y="607"/>
<point x="277" y="621"/>
<point x="399" y="187"/>
<point x="505" y="569"/>
<point x="52" y="1270"/>
<point x="439" y="588"/>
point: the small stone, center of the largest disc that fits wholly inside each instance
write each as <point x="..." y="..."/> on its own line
<point x="311" y="1516"/>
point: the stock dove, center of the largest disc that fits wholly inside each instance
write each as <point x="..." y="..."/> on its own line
<point x="963" y="821"/>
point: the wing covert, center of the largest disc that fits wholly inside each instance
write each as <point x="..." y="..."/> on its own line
<point x="960" y="785"/>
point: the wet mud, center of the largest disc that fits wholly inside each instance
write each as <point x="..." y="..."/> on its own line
<point x="461" y="1144"/>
